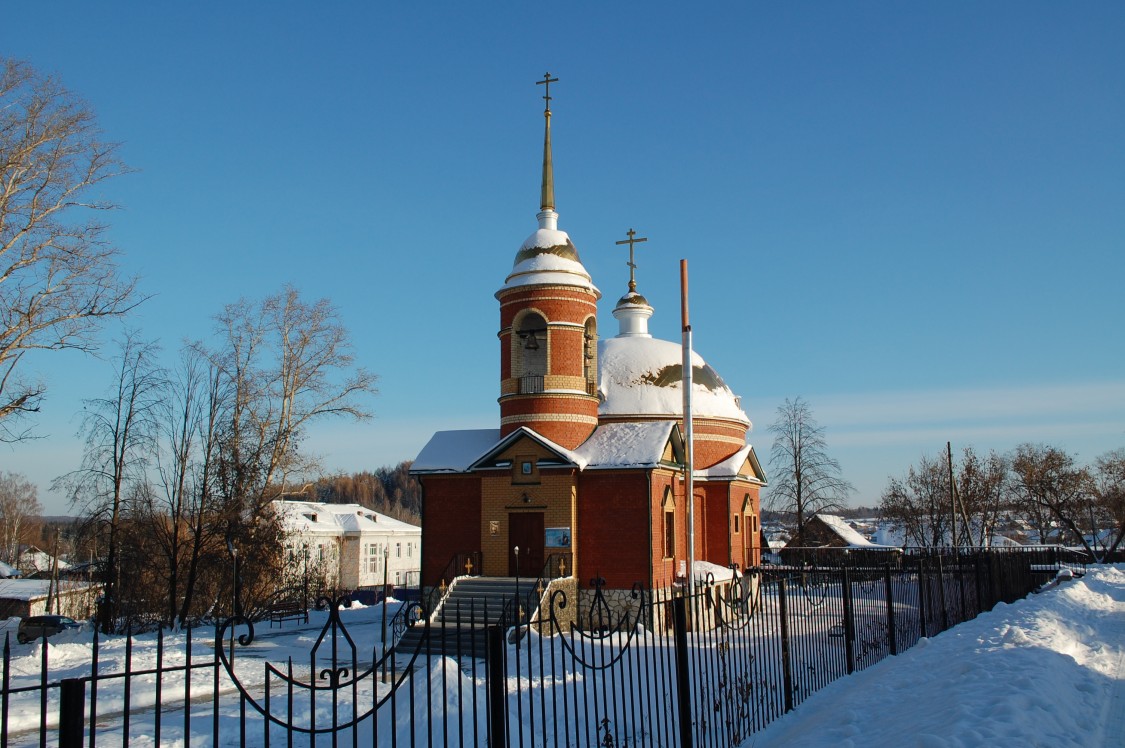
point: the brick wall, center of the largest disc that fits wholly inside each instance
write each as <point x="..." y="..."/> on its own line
<point x="613" y="527"/>
<point x="553" y="495"/>
<point x="450" y="520"/>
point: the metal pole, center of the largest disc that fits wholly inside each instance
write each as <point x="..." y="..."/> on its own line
<point x="386" y="561"/>
<point x="689" y="440"/>
<point x="952" y="499"/>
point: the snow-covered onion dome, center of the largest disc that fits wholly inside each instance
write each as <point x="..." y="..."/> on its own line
<point x="642" y="376"/>
<point x="548" y="256"/>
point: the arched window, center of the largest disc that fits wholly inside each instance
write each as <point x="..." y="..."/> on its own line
<point x="669" y="505"/>
<point x="530" y="343"/>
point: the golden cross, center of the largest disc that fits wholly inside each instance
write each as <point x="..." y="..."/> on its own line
<point x="442" y="586"/>
<point x="468" y="567"/>
<point x="632" y="265"/>
<point x="562" y="567"/>
<point x="546" y="83"/>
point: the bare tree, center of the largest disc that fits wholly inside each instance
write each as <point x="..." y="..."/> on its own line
<point x="1109" y="494"/>
<point x="120" y="433"/>
<point x="805" y="480"/>
<point x="58" y="276"/>
<point x="983" y="487"/>
<point x="286" y="364"/>
<point x="1051" y="489"/>
<point x="283" y="365"/>
<point x="19" y="503"/>
<point x="919" y="503"/>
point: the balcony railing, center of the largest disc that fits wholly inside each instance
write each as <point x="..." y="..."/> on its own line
<point x="531" y="384"/>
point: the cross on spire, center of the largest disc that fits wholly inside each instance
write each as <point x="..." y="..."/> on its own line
<point x="546" y="83"/>
<point x="632" y="265"/>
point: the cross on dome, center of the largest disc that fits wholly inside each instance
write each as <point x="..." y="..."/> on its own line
<point x="546" y="83"/>
<point x="632" y="264"/>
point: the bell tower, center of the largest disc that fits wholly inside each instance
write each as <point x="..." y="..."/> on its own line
<point x="548" y="327"/>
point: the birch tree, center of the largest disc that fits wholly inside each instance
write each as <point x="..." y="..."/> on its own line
<point x="58" y="274"/>
<point x="19" y="504"/>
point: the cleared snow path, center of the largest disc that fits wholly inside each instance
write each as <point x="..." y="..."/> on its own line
<point x="1046" y="671"/>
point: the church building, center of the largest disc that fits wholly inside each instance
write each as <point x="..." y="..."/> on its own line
<point x="586" y="469"/>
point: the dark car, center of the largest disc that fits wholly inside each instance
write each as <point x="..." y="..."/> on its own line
<point x="36" y="627"/>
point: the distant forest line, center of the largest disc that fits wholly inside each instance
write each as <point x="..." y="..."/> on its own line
<point x="389" y="490"/>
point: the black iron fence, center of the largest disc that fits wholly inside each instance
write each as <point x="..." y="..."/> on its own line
<point x="707" y="666"/>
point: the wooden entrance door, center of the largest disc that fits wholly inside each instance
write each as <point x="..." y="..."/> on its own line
<point x="525" y="531"/>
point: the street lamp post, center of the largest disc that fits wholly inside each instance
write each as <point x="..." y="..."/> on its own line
<point x="305" y="577"/>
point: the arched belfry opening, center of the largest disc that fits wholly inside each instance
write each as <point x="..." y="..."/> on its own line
<point x="590" y="355"/>
<point x="530" y="351"/>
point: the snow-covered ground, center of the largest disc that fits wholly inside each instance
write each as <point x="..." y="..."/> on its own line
<point x="1045" y="671"/>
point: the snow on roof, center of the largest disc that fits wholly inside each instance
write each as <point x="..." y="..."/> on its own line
<point x="731" y="466"/>
<point x="298" y="516"/>
<point x="523" y="431"/>
<point x="548" y="257"/>
<point x="617" y="445"/>
<point x="7" y="570"/>
<point x="38" y="560"/>
<point x="454" y="451"/>
<point x="846" y="532"/>
<point x="31" y="589"/>
<point x="643" y="376"/>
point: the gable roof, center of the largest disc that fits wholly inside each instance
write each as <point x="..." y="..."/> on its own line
<point x="742" y="464"/>
<point x="523" y="432"/>
<point x="631" y="444"/>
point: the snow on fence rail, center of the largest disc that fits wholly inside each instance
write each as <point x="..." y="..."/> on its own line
<point x="708" y="668"/>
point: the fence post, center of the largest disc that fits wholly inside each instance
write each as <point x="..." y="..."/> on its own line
<point x="72" y="712"/>
<point x="891" y="637"/>
<point x="964" y="616"/>
<point x="683" y="675"/>
<point x="976" y="573"/>
<point x="786" y="668"/>
<point x="941" y="595"/>
<point x="497" y="689"/>
<point x="849" y="623"/>
<point x="923" y="593"/>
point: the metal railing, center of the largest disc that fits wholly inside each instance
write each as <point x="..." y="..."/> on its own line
<point x="625" y="667"/>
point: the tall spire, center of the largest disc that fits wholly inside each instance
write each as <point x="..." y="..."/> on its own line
<point x="547" y="195"/>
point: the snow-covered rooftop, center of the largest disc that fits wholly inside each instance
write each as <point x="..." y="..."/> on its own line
<point x="643" y="376"/>
<point x="618" y="445"/>
<point x="454" y="451"/>
<point x="318" y="517"/>
<point x="32" y="589"/>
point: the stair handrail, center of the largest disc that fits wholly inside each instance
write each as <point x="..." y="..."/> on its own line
<point x="463" y="561"/>
<point x="513" y="616"/>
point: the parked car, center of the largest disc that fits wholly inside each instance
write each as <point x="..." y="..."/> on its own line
<point x="36" y="627"/>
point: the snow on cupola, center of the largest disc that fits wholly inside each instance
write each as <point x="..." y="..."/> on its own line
<point x="642" y="377"/>
<point x="548" y="256"/>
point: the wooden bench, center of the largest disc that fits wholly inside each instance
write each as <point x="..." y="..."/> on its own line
<point x="290" y="609"/>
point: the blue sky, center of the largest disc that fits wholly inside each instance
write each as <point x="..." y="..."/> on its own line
<point x="911" y="215"/>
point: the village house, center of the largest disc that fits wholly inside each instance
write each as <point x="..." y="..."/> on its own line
<point x="348" y="546"/>
<point x="830" y="532"/>
<point x="584" y="474"/>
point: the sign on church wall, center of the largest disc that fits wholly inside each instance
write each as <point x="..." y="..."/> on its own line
<point x="558" y="537"/>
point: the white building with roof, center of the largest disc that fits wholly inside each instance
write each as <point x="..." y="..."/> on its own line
<point x="346" y="546"/>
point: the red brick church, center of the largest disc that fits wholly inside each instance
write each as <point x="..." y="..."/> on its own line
<point x="587" y="464"/>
